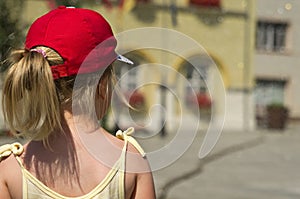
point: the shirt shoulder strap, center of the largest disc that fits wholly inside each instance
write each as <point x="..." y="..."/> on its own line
<point x="126" y="136"/>
<point x="8" y="149"/>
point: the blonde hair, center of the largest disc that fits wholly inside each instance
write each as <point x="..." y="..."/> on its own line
<point x="33" y="101"/>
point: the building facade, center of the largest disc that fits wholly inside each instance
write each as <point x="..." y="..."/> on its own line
<point x="277" y="56"/>
<point x="216" y="76"/>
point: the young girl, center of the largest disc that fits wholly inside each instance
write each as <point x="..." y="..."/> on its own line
<point x="55" y="92"/>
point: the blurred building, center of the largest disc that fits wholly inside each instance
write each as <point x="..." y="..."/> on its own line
<point x="277" y="56"/>
<point x="224" y="29"/>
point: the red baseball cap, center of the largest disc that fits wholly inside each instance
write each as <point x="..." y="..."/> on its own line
<point x="82" y="37"/>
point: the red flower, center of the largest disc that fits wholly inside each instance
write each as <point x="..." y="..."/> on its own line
<point x="136" y="99"/>
<point x="203" y="100"/>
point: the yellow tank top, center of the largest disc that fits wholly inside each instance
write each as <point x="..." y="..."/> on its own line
<point x="111" y="187"/>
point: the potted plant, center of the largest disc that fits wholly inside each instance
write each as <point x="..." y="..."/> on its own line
<point x="277" y="115"/>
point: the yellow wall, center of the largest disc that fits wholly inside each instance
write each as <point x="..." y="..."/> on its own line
<point x="225" y="40"/>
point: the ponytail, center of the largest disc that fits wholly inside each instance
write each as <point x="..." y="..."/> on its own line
<point x="30" y="102"/>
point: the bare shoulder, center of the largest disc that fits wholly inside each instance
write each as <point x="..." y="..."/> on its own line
<point x="8" y="168"/>
<point x="10" y="178"/>
<point x="7" y="162"/>
<point x="4" y="166"/>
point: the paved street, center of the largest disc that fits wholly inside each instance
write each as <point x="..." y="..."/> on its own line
<point x="244" y="165"/>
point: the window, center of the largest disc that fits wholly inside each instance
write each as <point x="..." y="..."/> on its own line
<point x="271" y="36"/>
<point x="269" y="91"/>
<point x="193" y="76"/>
<point x="196" y="72"/>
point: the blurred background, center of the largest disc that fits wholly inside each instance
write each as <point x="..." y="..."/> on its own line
<point x="253" y="45"/>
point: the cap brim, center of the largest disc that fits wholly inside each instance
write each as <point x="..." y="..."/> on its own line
<point x="123" y="59"/>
